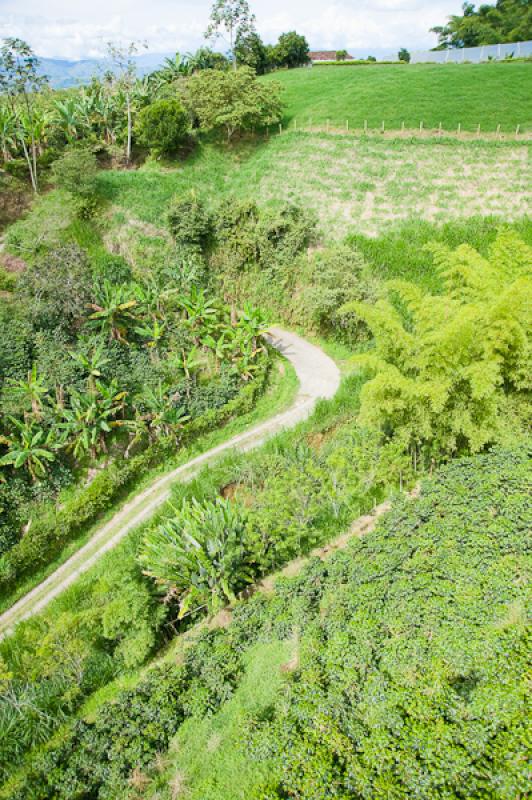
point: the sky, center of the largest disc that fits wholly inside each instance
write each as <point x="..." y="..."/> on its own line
<point x="79" y="28"/>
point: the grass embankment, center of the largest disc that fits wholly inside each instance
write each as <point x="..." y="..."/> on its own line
<point x="353" y="185"/>
<point x="470" y="94"/>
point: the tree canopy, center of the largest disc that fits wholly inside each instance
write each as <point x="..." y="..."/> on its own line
<point x="233" y="101"/>
<point x="506" y="21"/>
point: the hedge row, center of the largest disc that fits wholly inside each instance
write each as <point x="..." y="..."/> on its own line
<point x="56" y="528"/>
<point x="356" y="63"/>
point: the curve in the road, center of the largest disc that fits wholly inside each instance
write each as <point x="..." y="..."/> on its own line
<point x="319" y="378"/>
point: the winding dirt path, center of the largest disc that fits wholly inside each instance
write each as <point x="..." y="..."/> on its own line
<point x="318" y="377"/>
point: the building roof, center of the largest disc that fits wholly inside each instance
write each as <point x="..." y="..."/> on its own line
<point x="326" y="55"/>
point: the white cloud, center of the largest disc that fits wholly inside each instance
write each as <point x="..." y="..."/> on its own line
<point x="80" y="28"/>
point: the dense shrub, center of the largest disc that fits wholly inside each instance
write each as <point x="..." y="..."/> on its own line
<point x="76" y="171"/>
<point x="254" y="248"/>
<point x="189" y="221"/>
<point x="101" y="758"/>
<point x="162" y="126"/>
<point x="58" y="287"/>
<point x="333" y="277"/>
<point x="232" y="101"/>
<point x="444" y="363"/>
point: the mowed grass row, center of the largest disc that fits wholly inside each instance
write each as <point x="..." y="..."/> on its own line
<point x="353" y="185"/>
<point x="468" y="94"/>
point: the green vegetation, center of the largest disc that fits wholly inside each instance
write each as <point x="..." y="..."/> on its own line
<point x="231" y="101"/>
<point x="486" y="94"/>
<point x="353" y="185"/>
<point x="134" y="297"/>
<point x="392" y="644"/>
<point x="200" y="555"/>
<point x="481" y="317"/>
<point x="506" y="21"/>
<point x="162" y="126"/>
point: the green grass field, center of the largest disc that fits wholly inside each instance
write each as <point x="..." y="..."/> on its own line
<point x="490" y="94"/>
<point x="353" y="184"/>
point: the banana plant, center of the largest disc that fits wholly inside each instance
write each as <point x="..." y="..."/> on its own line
<point x="30" y="393"/>
<point x="201" y="312"/>
<point x="89" y="419"/>
<point x="112" y="314"/>
<point x="8" y="133"/>
<point x="69" y="116"/>
<point x="153" y="332"/>
<point x="92" y="364"/>
<point x="28" y="446"/>
<point x="161" y="412"/>
<point x="221" y="346"/>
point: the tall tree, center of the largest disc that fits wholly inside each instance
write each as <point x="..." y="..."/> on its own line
<point x="506" y="21"/>
<point x="233" y="17"/>
<point x="20" y="83"/>
<point x="291" y="50"/>
<point x="125" y="69"/>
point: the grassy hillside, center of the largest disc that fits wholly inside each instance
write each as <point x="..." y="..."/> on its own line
<point x="360" y="185"/>
<point x="489" y="94"/>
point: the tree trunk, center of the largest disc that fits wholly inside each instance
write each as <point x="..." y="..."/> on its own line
<point x="128" y="153"/>
<point x="233" y="54"/>
<point x="30" y="167"/>
<point x="34" y="157"/>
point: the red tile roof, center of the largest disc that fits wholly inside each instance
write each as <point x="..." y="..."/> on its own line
<point x="326" y="55"/>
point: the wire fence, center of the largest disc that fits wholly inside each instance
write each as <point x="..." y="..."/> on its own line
<point x="404" y="129"/>
<point x="488" y="52"/>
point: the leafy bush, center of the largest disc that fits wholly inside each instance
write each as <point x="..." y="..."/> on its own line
<point x="189" y="221"/>
<point x="58" y="287"/>
<point x="76" y="171"/>
<point x="162" y="126"/>
<point x="333" y="277"/>
<point x="442" y="371"/>
<point x="263" y="242"/>
<point x="199" y="555"/>
<point x="233" y="101"/>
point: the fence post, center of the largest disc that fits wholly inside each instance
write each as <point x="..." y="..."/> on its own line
<point x="421" y="126"/>
<point x="517" y="131"/>
<point x="403" y="126"/>
<point x="459" y="128"/>
<point x="383" y="126"/>
<point x="440" y="129"/>
<point x="365" y="126"/>
<point x="347" y="126"/>
<point x="280" y="127"/>
<point x="499" y="131"/>
<point x="478" y="129"/>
